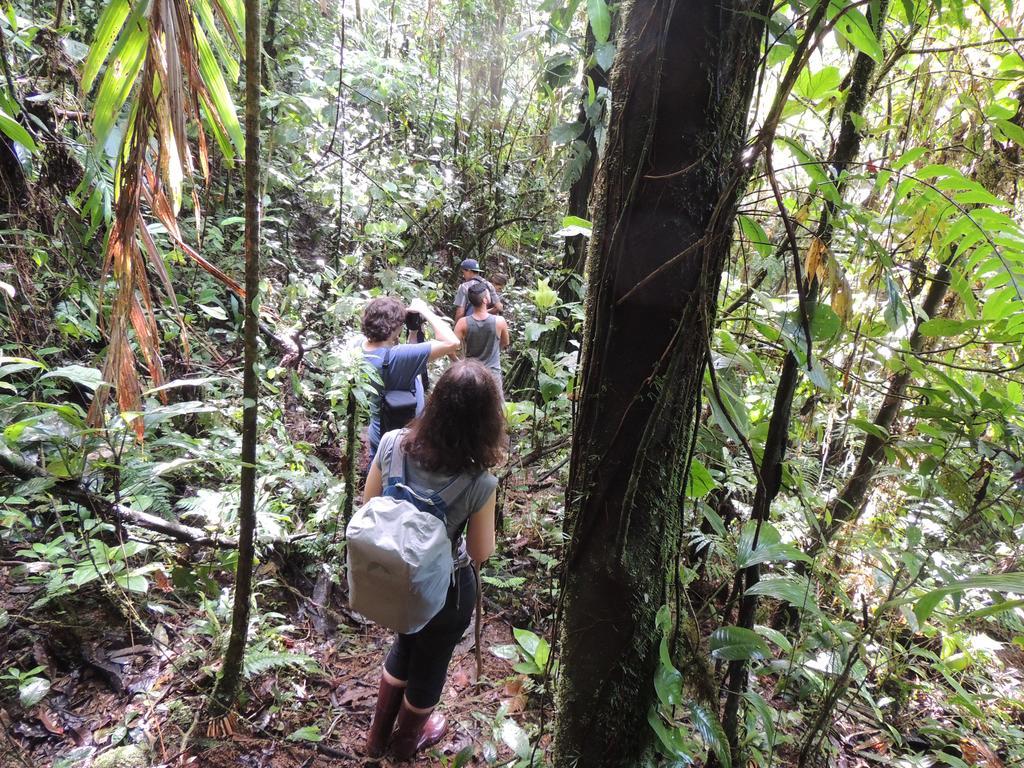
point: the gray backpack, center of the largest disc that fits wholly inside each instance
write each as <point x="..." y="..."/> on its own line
<point x="400" y="561"/>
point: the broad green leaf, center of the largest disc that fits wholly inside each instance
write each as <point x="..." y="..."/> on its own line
<point x="754" y="234"/>
<point x="197" y="382"/>
<point x="544" y="298"/>
<point x="122" y="71"/>
<point x="16" y="132"/>
<point x="1004" y="582"/>
<point x="90" y="378"/>
<point x="110" y="24"/>
<point x="306" y="733"/>
<point x="765" y="713"/>
<point x="816" y="85"/>
<point x="9" y="365"/>
<point x="600" y="20"/>
<point x="824" y="323"/>
<point x="732" y="407"/>
<point x="908" y="157"/>
<point x="943" y="326"/>
<point x="738" y="644"/>
<point x="770" y="547"/>
<point x="852" y="24"/>
<point x="795" y="590"/>
<point x="563" y="133"/>
<point x="604" y="55"/>
<point x="699" y="481"/>
<point x="711" y="733"/>
<point x="992" y="610"/>
<point x="515" y="738"/>
<point x="672" y="739"/>
<point x="32" y="691"/>
<point x="1012" y="131"/>
<point x="527" y="640"/>
<point x="668" y="683"/>
<point x="573" y="226"/>
<point x="895" y="309"/>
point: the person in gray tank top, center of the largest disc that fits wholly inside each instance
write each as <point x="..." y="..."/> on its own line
<point x="483" y="335"/>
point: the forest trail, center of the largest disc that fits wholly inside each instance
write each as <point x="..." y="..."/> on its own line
<point x="111" y="684"/>
<point x="764" y="391"/>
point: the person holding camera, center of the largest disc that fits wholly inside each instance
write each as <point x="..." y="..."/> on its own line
<point x="401" y="366"/>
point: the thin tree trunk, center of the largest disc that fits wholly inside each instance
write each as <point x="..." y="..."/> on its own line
<point x="522" y="373"/>
<point x="579" y="192"/>
<point x="681" y="87"/>
<point x="846" y="507"/>
<point x="845" y="151"/>
<point x="226" y="690"/>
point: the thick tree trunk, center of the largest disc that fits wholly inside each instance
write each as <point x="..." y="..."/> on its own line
<point x="665" y="205"/>
<point x="227" y="685"/>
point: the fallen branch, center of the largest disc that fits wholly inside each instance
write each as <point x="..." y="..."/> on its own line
<point x="521" y="462"/>
<point x="71" y="490"/>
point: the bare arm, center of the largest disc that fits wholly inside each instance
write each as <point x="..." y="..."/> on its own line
<point x="445" y="341"/>
<point x="461" y="330"/>
<point x="480" y="532"/>
<point x="374" y="484"/>
<point x="503" y="336"/>
<point x="493" y="302"/>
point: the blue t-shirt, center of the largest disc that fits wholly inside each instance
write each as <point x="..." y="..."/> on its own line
<point x="408" y="362"/>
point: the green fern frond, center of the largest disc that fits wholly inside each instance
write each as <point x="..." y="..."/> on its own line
<point x="262" y="660"/>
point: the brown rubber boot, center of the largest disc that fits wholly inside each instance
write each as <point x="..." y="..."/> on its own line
<point x="389" y="701"/>
<point x="415" y="731"/>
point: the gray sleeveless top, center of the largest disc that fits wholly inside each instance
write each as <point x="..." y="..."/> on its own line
<point x="425" y="480"/>
<point x="482" y="341"/>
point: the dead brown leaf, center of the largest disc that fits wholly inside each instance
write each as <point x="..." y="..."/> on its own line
<point x="978" y="754"/>
<point x="49" y="721"/>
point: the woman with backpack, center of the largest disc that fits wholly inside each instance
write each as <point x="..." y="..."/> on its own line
<point x="458" y="437"/>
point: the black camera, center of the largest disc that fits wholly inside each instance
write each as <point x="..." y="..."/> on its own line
<point x="413" y="320"/>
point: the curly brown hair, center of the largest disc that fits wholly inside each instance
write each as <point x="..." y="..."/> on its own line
<point x="382" y="317"/>
<point x="462" y="427"/>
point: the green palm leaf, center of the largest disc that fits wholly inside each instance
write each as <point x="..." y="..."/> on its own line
<point x="122" y="72"/>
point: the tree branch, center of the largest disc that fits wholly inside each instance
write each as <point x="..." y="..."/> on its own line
<point x="71" y="490"/>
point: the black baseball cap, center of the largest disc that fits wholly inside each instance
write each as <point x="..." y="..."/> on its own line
<point x="470" y="264"/>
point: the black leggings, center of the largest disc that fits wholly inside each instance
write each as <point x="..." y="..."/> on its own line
<point x="422" y="658"/>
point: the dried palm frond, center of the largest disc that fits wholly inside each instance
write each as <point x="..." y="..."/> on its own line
<point x="159" y="50"/>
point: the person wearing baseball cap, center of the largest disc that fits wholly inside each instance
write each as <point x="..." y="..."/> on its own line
<point x="471" y="276"/>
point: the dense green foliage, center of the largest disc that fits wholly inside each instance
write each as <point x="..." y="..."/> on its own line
<point x="402" y="137"/>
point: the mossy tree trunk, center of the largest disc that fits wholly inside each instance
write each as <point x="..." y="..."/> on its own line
<point x="664" y="207"/>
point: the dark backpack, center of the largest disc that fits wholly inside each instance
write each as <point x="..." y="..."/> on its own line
<point x="397" y="406"/>
<point x="475" y="283"/>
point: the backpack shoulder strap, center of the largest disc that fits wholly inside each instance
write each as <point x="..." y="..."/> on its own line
<point x="451" y="492"/>
<point x="396" y="467"/>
